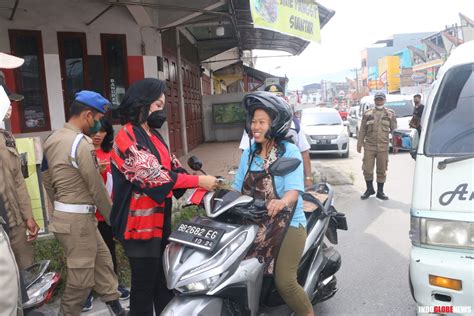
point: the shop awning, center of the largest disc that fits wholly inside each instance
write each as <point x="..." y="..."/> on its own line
<point x="217" y="26"/>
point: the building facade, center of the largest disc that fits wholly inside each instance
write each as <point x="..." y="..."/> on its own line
<point x="389" y="73"/>
<point x="370" y="56"/>
<point x="69" y="46"/>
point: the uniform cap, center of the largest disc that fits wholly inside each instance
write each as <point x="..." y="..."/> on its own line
<point x="380" y="95"/>
<point x="9" y="61"/>
<point x="94" y="100"/>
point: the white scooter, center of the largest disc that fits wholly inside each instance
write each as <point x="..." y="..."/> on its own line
<point x="205" y="261"/>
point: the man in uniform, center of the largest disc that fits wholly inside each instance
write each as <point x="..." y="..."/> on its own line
<point x="375" y="128"/>
<point x="15" y="195"/>
<point x="10" y="291"/>
<point x="72" y="180"/>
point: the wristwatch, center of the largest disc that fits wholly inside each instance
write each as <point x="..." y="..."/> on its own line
<point x="308" y="178"/>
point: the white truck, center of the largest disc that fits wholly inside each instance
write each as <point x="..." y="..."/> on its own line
<point x="442" y="212"/>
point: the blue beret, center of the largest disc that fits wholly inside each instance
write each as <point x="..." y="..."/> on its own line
<point x="93" y="100"/>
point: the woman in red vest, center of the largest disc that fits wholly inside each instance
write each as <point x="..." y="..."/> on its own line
<point x="146" y="176"/>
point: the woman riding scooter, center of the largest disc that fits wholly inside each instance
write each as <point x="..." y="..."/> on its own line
<point x="282" y="234"/>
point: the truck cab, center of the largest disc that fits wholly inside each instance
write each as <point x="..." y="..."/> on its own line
<point x="441" y="267"/>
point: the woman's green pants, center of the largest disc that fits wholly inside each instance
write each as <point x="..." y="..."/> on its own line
<point x="286" y="268"/>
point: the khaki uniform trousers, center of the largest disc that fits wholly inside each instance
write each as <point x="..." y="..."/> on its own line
<point x="89" y="263"/>
<point x="22" y="249"/>
<point x="370" y="158"/>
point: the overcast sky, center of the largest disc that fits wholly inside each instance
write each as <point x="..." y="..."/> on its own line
<point x="358" y="24"/>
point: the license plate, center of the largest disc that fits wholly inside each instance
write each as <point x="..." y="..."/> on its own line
<point x="197" y="236"/>
<point x="323" y="141"/>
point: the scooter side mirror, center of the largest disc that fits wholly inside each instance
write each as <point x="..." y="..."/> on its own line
<point x="283" y="166"/>
<point x="195" y="163"/>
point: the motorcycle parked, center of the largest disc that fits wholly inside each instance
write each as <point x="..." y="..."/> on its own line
<point x="39" y="285"/>
<point x="205" y="261"/>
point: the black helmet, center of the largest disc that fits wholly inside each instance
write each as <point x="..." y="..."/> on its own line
<point x="278" y="109"/>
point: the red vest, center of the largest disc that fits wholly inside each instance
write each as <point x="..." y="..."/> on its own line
<point x="146" y="216"/>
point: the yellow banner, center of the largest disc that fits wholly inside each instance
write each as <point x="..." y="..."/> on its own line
<point x="29" y="146"/>
<point x="298" y="18"/>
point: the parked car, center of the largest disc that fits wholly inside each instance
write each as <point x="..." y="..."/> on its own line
<point x="442" y="221"/>
<point x="325" y="131"/>
<point x="403" y="109"/>
<point x="343" y="112"/>
<point x="354" y="119"/>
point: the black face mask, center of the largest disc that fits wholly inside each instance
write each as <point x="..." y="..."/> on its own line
<point x="156" y="119"/>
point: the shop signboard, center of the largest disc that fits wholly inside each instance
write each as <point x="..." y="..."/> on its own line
<point x="418" y="77"/>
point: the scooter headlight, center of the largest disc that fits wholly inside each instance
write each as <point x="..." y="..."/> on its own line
<point x="199" y="286"/>
<point x="214" y="262"/>
<point x="41" y="291"/>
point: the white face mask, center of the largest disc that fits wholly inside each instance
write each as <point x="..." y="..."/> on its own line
<point x="379" y="107"/>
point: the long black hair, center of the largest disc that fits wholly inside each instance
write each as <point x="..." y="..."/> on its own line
<point x="136" y="103"/>
<point x="108" y="140"/>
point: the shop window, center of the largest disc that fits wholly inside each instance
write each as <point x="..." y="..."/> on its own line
<point x="30" y="80"/>
<point x="74" y="66"/>
<point x="183" y="76"/>
<point x="166" y="69"/>
<point x="173" y="72"/>
<point x="114" y="55"/>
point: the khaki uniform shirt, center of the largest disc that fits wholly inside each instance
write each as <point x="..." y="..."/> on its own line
<point x="375" y="129"/>
<point x="67" y="184"/>
<point x="14" y="191"/>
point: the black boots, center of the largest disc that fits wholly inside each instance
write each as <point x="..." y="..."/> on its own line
<point x="116" y="309"/>
<point x="380" y="194"/>
<point x="370" y="191"/>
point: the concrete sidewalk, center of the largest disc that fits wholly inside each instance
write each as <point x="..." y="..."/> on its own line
<point x="217" y="158"/>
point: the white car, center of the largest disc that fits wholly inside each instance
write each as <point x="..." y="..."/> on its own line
<point x="326" y="131"/>
<point x="354" y="118"/>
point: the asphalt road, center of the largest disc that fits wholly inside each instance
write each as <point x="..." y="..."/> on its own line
<point x="373" y="279"/>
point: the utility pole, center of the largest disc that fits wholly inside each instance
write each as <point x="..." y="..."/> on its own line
<point x="182" y="107"/>
<point x="357" y="78"/>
